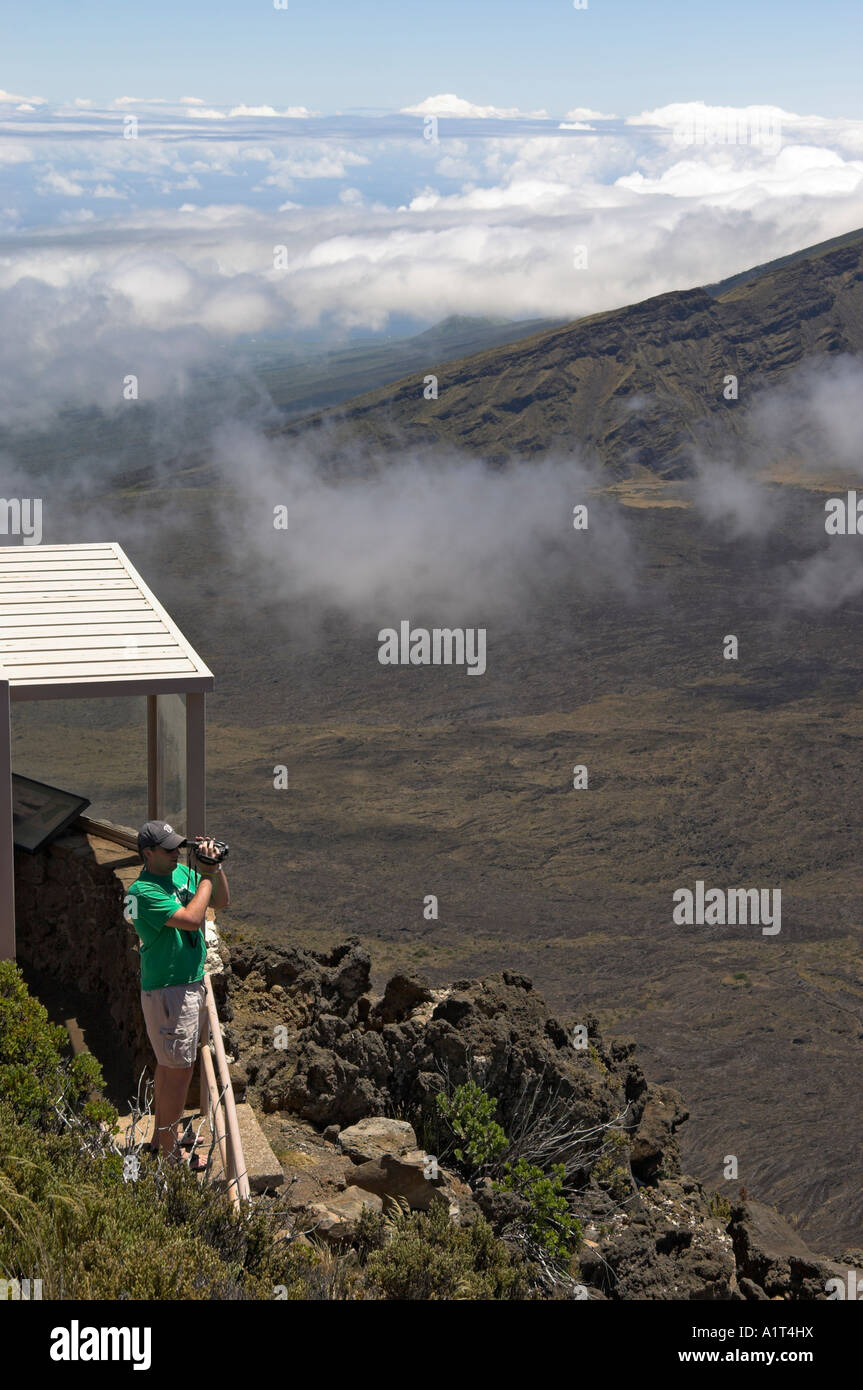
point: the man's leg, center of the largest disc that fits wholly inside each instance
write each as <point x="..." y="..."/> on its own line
<point x="171" y="1090"/>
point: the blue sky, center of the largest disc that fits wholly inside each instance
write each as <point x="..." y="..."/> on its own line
<point x="336" y="55"/>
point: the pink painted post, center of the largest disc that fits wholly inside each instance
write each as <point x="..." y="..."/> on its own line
<point x="7" y="848"/>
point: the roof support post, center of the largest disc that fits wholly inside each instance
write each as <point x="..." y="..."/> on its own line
<point x="7" y="845"/>
<point x="195" y="763"/>
<point x="153" y="807"/>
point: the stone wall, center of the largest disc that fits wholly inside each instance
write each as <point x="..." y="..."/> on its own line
<point x="69" y="925"/>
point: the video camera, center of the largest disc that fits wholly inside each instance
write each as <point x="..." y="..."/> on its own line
<point x="221" y="849"/>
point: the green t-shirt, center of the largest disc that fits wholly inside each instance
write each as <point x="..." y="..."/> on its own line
<point x="169" y="956"/>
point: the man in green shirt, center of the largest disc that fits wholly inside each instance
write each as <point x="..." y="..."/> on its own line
<point x="167" y="905"/>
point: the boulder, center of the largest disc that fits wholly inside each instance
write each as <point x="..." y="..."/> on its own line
<point x="336" y="1218"/>
<point x="752" y="1291"/>
<point x="403" y="994"/>
<point x="771" y="1255"/>
<point x="401" y="1175"/>
<point x="654" y="1148"/>
<point x="371" y="1138"/>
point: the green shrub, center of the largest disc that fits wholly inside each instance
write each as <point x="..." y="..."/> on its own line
<point x="552" y="1225"/>
<point x="73" y="1222"/>
<point x="469" y="1112"/>
<point x="719" y="1206"/>
<point x="34" y="1077"/>
<point x="612" y="1170"/>
<point x="371" y="1232"/>
<point x="427" y="1257"/>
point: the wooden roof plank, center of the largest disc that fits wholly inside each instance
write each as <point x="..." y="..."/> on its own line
<point x="165" y="666"/>
<point x="94" y="641"/>
<point x="23" y="560"/>
<point x="138" y="621"/>
<point x="39" y="554"/>
<point x="32" y="574"/>
<point x="61" y="588"/>
<point x="86" y="547"/>
<point x="86" y="656"/>
<point x="84" y="607"/>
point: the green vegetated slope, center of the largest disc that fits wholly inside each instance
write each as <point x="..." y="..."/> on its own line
<point x="635" y="387"/>
<point x="324" y="379"/>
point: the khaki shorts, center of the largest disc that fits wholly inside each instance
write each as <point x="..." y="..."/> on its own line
<point x="175" y="1018"/>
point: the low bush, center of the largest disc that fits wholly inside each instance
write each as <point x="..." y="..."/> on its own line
<point x="425" y="1256"/>
<point x="552" y="1225"/>
<point x="470" y="1113"/>
<point x="36" y="1079"/>
<point x="74" y="1223"/>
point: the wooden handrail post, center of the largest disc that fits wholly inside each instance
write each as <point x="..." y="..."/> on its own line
<point x="217" y="1121"/>
<point x="235" y="1147"/>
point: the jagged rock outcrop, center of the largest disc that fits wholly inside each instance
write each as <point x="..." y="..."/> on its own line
<point x="772" y="1259"/>
<point x="313" y="1044"/>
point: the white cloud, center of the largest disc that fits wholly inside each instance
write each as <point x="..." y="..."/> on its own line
<point x="448" y="104"/>
<point x="528" y="194"/>
<point x="733" y="178"/>
<point x="23" y="103"/>
<point x="79" y="215"/>
<point x="157" y="285"/>
<point x="141" y="101"/>
<point x="584" y="113"/>
<point x="189" y="182"/>
<point x="332" y="164"/>
<point x="681" y="112"/>
<point x="13" y="153"/>
<point x="292" y="111"/>
<point x="267" y="112"/>
<point x="54" y="183"/>
<point x="237" y="310"/>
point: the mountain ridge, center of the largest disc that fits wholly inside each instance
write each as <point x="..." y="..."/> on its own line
<point x="636" y="390"/>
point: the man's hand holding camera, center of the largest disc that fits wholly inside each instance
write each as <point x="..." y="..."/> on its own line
<point x="208" y="855"/>
<point x="208" y="858"/>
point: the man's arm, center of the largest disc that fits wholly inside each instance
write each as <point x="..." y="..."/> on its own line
<point x="193" y="915"/>
<point x="221" y="893"/>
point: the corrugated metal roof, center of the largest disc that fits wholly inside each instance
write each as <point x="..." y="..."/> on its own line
<point x="74" y="618"/>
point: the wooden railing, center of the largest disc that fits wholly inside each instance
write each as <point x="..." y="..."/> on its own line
<point x="222" y="1108"/>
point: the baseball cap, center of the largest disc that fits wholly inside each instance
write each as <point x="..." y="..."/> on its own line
<point x="157" y="834"/>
